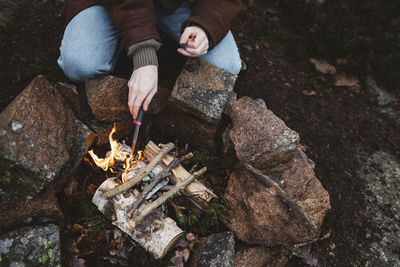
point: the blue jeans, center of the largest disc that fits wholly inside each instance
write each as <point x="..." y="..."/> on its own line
<point x="90" y="45"/>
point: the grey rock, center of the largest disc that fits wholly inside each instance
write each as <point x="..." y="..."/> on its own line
<point x="31" y="246"/>
<point x="41" y="140"/>
<point x="219" y="251"/>
<point x="203" y="90"/>
<point x="384" y="97"/>
<point x="260" y="138"/>
<point x="381" y="173"/>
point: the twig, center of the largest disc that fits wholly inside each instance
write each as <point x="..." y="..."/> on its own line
<point x="156" y="203"/>
<point x="156" y="180"/>
<point x="138" y="177"/>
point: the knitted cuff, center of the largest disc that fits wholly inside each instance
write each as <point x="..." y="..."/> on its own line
<point x="144" y="53"/>
<point x="144" y="56"/>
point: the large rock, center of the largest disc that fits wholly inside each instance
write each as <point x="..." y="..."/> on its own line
<point x="71" y="97"/>
<point x="380" y="172"/>
<point x="203" y="90"/>
<point x="216" y="250"/>
<point x="298" y="180"/>
<point x="31" y="246"/>
<point x="186" y="128"/>
<point x="39" y="209"/>
<point x="260" y="138"/>
<point x="259" y="257"/>
<point x="40" y="140"/>
<point x="108" y="99"/>
<point x="267" y="212"/>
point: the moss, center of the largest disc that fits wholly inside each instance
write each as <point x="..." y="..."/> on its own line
<point x="52" y="257"/>
<point x="203" y="155"/>
<point x="43" y="259"/>
<point x="47" y="243"/>
<point x="89" y="214"/>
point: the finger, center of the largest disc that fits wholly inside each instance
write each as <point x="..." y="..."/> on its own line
<point x="204" y="48"/>
<point x="131" y="100"/>
<point x="148" y="99"/>
<point x="131" y="108"/>
<point x="198" y="51"/>
<point x="197" y="41"/>
<point x="184" y="52"/>
<point x="185" y="36"/>
<point x="137" y="104"/>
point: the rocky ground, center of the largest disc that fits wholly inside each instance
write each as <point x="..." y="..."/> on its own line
<point x="350" y="131"/>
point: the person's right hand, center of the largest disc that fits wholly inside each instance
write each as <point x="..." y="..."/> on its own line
<point x="142" y="85"/>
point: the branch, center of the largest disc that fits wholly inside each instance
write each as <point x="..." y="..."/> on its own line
<point x="156" y="180"/>
<point x="156" y="203"/>
<point x="142" y="173"/>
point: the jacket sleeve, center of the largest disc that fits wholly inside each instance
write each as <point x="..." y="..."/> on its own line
<point x="134" y="20"/>
<point x="214" y="16"/>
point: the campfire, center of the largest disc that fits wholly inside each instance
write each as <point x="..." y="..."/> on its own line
<point x="131" y="199"/>
<point x="120" y="157"/>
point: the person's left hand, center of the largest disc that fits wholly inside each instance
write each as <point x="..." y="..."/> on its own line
<point x="195" y="41"/>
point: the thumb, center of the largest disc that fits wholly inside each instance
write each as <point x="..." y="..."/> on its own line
<point x="185" y="36"/>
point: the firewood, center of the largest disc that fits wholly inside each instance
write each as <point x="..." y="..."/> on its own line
<point x="157" y="233"/>
<point x="198" y="192"/>
<point x="164" y="173"/>
<point x="143" y="212"/>
<point x="139" y="177"/>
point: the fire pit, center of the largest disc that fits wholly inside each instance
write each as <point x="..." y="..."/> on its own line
<point x="131" y="198"/>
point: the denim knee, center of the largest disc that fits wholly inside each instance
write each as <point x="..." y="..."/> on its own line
<point x="233" y="64"/>
<point x="78" y="68"/>
<point x="225" y="55"/>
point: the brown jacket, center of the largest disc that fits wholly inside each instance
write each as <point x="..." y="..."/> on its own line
<point x="135" y="19"/>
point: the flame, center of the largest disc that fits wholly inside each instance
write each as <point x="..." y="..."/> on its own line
<point x="129" y="163"/>
<point x="116" y="155"/>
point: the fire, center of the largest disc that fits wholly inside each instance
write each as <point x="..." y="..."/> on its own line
<point x="118" y="153"/>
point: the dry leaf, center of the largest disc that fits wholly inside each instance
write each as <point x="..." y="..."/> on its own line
<point x="190" y="237"/>
<point x="343" y="79"/>
<point x="323" y="67"/>
<point x="91" y="190"/>
<point x="341" y="61"/>
<point x="309" y="92"/>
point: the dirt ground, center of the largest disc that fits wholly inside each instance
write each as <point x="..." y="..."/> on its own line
<point x="334" y="123"/>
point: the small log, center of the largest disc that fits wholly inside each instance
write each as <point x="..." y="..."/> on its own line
<point x="164" y="173"/>
<point x="147" y="209"/>
<point x="157" y="233"/>
<point x="142" y="173"/>
<point x="201" y="194"/>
